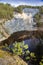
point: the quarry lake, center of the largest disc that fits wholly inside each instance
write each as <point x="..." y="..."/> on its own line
<point x="32" y="43"/>
<point x="21" y="34"/>
<point x="22" y="22"/>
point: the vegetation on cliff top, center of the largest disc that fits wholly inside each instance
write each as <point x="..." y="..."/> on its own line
<point x="36" y="7"/>
<point x="18" y="9"/>
<point x="37" y="16"/>
<point x="6" y="11"/>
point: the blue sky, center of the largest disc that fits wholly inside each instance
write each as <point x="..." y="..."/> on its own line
<point x="23" y="2"/>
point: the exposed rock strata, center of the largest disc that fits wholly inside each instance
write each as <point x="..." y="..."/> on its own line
<point x="22" y="35"/>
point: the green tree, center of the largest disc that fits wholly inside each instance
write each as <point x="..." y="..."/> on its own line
<point x="19" y="47"/>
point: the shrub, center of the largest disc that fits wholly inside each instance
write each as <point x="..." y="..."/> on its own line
<point x="18" y="48"/>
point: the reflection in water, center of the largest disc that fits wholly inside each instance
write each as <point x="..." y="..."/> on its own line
<point x="32" y="43"/>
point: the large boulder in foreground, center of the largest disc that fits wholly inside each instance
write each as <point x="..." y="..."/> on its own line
<point x="7" y="59"/>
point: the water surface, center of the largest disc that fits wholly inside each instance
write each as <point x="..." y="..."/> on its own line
<point x="32" y="43"/>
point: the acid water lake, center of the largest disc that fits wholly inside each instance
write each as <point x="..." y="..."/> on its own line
<point x="32" y="43"/>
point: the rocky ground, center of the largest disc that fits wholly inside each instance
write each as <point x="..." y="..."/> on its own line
<point x="8" y="59"/>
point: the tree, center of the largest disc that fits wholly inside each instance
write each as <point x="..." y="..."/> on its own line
<point x="18" y="48"/>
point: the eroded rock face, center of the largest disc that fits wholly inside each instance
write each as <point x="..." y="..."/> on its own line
<point x="20" y="22"/>
<point x="7" y="59"/>
<point x="22" y="35"/>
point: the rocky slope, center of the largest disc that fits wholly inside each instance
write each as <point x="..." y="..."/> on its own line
<point x="20" y="22"/>
<point x="7" y="59"/>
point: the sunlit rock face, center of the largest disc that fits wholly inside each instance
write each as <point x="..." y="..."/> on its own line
<point x="22" y="21"/>
<point x="33" y="11"/>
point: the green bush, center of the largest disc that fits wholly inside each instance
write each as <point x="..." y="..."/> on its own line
<point x="18" y="9"/>
<point x="37" y="16"/>
<point x="41" y="62"/>
<point x="19" y="48"/>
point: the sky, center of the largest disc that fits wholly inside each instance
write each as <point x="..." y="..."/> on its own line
<point x="23" y="2"/>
